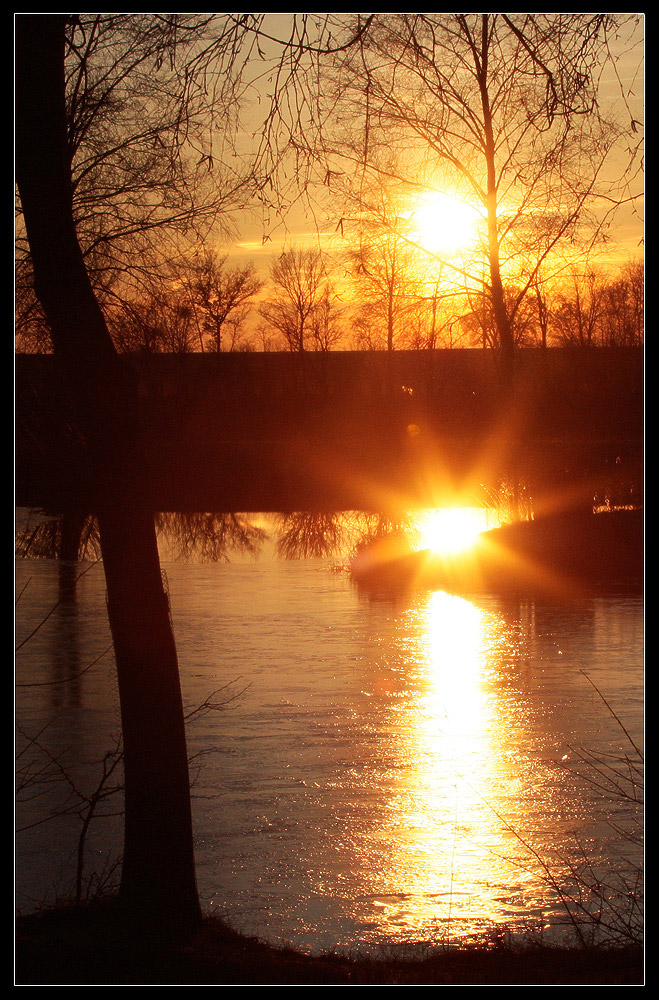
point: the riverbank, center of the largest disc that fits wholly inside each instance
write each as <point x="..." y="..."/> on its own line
<point x="92" y="946"/>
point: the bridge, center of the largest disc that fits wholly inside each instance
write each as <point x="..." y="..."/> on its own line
<point x="348" y="429"/>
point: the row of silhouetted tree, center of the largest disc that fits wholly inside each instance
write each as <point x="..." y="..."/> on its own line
<point x="313" y="303"/>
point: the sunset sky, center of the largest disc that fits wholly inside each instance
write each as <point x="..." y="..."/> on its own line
<point x="262" y="235"/>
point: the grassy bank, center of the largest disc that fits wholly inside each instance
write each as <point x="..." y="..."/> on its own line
<point x="92" y="946"/>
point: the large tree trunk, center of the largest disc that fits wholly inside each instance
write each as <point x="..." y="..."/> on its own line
<point x="158" y="879"/>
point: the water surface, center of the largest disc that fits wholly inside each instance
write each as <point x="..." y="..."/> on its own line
<point x="380" y="771"/>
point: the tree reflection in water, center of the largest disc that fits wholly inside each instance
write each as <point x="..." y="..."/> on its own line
<point x="71" y="536"/>
<point x="298" y="534"/>
<point x="210" y="537"/>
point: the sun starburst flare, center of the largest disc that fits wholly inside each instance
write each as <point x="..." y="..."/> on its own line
<point x="451" y="530"/>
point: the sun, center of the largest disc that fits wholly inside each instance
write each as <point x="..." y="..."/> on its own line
<point x="444" y="223"/>
<point x="450" y="530"/>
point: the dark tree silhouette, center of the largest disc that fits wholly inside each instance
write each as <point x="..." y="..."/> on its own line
<point x="158" y="878"/>
<point x="384" y="264"/>
<point x="219" y="296"/>
<point x="300" y="282"/>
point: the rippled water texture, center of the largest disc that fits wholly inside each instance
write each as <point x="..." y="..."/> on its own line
<point x="380" y="771"/>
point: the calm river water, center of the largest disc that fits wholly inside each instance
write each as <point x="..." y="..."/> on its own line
<point x="379" y="771"/>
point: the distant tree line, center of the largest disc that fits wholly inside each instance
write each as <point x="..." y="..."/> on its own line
<point x="368" y="298"/>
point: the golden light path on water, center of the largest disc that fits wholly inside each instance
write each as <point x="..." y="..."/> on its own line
<point x="446" y="866"/>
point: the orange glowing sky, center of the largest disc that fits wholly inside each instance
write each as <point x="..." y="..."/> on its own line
<point x="443" y="220"/>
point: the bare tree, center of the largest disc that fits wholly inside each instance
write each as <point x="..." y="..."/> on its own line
<point x="382" y="261"/>
<point x="578" y="313"/>
<point x="597" y="307"/>
<point x="383" y="279"/>
<point x="162" y="321"/>
<point x="219" y="296"/>
<point x="300" y="282"/>
<point x="623" y="308"/>
<point x="158" y="874"/>
<point x="327" y="329"/>
<point x="543" y="310"/>
<point x="158" y="877"/>
<point x="200" y="304"/>
<point x="500" y="107"/>
<point x="479" y="320"/>
<point x="430" y="324"/>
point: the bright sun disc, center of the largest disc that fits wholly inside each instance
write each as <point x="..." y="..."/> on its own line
<point x="444" y="223"/>
<point x="450" y="530"/>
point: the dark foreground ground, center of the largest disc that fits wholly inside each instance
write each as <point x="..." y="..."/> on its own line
<point x="90" y="947"/>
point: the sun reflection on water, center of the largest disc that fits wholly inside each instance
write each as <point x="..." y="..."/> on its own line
<point x="454" y="765"/>
<point x="447" y="866"/>
<point x="454" y="635"/>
